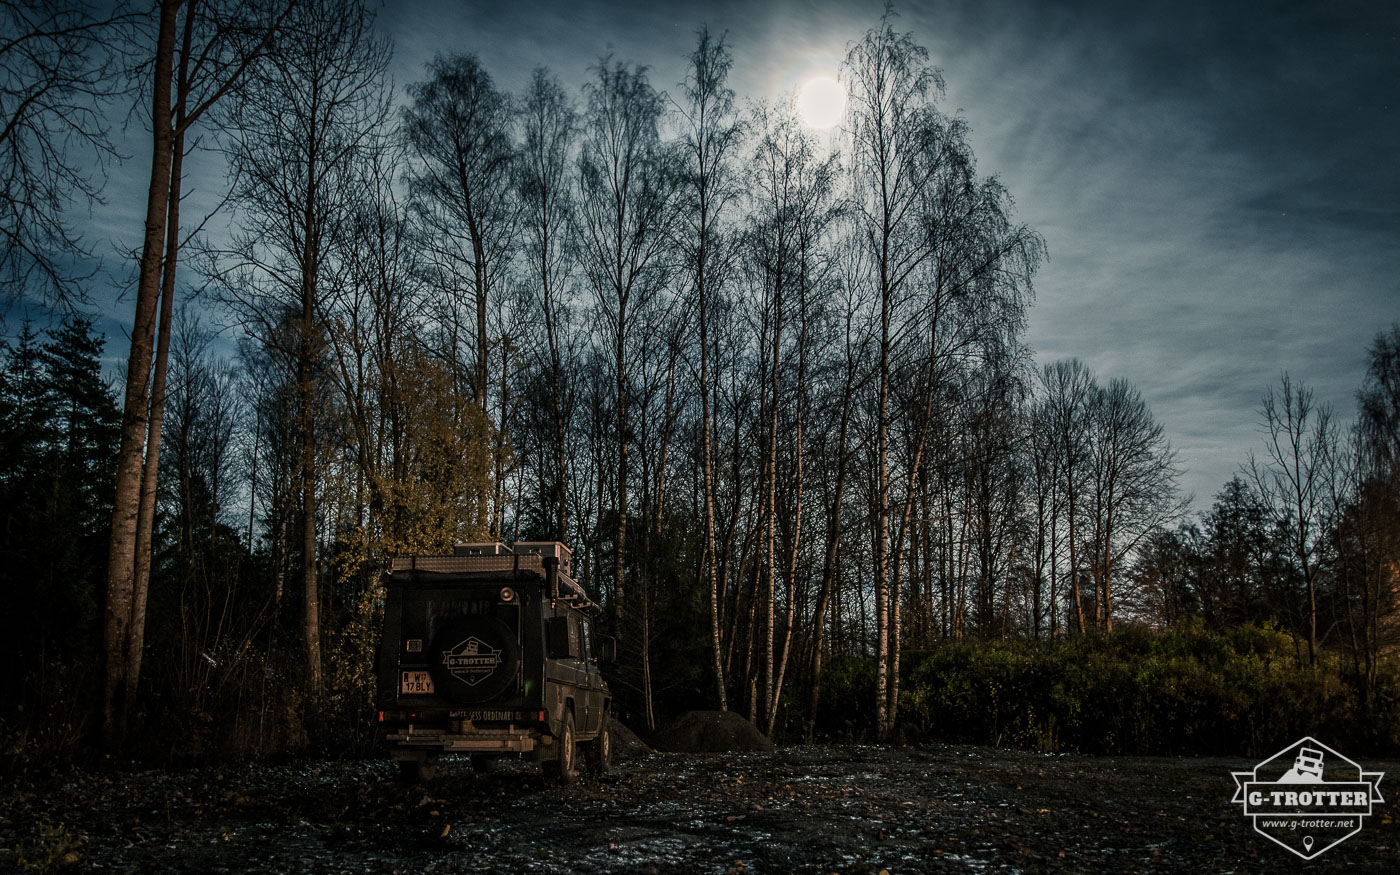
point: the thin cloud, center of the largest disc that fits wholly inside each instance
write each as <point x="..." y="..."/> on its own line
<point x="1216" y="182"/>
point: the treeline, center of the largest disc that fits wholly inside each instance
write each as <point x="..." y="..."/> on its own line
<point x="1185" y="691"/>
<point x="770" y="386"/>
<point x="1306" y="535"/>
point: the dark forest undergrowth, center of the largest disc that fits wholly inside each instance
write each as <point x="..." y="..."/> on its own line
<point x="1245" y="691"/>
<point x="1188" y="692"/>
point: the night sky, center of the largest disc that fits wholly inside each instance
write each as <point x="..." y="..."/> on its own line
<point x="1218" y="183"/>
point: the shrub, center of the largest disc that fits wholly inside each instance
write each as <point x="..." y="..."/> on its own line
<point x="1185" y="692"/>
<point x="848" y="699"/>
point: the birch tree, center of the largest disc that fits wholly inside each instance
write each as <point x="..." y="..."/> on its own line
<point x="890" y="83"/>
<point x="710" y="137"/>
<point x="625" y="210"/>
<point x="299" y="127"/>
<point x="549" y="128"/>
<point x="1291" y="476"/>
<point x="201" y="52"/>
<point x="791" y="191"/>
<point x="1068" y="388"/>
<point x="1134" y="475"/>
<point x="460" y="128"/>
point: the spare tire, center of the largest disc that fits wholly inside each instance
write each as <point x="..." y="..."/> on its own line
<point x="475" y="659"/>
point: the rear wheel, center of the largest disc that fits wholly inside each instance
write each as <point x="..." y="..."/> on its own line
<point x="600" y="750"/>
<point x="564" y="768"/>
<point x="416" y="771"/>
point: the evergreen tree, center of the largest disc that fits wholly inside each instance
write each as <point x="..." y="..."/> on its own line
<point x="58" y="430"/>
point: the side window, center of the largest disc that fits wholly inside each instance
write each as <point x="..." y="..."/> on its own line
<point x="587" y="640"/>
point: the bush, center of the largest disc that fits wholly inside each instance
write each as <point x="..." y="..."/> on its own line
<point x="48" y="723"/>
<point x="1185" y="692"/>
<point x="848" y="699"/>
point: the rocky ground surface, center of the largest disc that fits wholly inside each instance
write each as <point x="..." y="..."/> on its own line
<point x="848" y="809"/>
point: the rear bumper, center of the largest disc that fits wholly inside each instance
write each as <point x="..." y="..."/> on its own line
<point x="412" y="742"/>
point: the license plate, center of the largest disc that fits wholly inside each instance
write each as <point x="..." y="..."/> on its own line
<point x="418" y="683"/>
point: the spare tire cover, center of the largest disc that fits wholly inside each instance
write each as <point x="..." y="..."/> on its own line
<point x="475" y="659"/>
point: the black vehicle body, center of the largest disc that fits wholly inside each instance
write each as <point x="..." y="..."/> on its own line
<point x="490" y="652"/>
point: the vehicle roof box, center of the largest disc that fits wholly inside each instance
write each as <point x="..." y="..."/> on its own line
<point x="480" y="548"/>
<point x="458" y="563"/>
<point x="498" y="558"/>
<point x="548" y="548"/>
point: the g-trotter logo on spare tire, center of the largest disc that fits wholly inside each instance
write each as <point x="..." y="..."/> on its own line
<point x="471" y="661"/>
<point x="475" y="659"/>
<point x="1307" y="797"/>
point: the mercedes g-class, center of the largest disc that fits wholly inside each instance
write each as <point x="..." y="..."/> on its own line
<point x="491" y="652"/>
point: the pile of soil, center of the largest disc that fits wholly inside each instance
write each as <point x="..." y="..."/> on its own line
<point x="625" y="743"/>
<point x="710" y="732"/>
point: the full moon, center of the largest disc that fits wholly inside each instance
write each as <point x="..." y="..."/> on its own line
<point x="821" y="102"/>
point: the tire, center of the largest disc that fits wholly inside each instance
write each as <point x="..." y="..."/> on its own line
<point x="475" y="659"/>
<point x="564" y="768"/>
<point x="600" y="750"/>
<point x="416" y="771"/>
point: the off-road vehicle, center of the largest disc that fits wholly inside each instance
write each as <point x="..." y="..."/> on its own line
<point x="491" y="652"/>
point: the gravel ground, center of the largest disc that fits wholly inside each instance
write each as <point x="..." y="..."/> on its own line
<point x="821" y="809"/>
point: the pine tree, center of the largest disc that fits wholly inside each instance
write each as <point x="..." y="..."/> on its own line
<point x="58" y="429"/>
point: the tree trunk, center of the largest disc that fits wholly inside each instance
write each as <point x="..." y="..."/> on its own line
<point x="823" y="604"/>
<point x="647" y="699"/>
<point x="145" y="521"/>
<point x="498" y="517"/>
<point x="483" y="352"/>
<point x="712" y="559"/>
<point x="882" y="533"/>
<point x="770" y="523"/>
<point x="1074" y="569"/>
<point x="121" y="559"/>
<point x="306" y="394"/>
<point x="1106" y="597"/>
<point x="896" y="611"/>
<point x="561" y="458"/>
<point x="790" y="614"/>
<point x="623" y="448"/>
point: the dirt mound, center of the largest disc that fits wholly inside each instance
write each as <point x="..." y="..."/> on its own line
<point x="626" y="745"/>
<point x="710" y="732"/>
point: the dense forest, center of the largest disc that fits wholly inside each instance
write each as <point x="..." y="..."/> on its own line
<point x="770" y="386"/>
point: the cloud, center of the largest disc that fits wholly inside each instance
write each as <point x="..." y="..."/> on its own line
<point x="1216" y="183"/>
<point x="1217" y="189"/>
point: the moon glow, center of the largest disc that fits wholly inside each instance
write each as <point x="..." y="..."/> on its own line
<point x="821" y="102"/>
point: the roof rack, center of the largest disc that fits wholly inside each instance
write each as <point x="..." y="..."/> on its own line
<point x="488" y="557"/>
